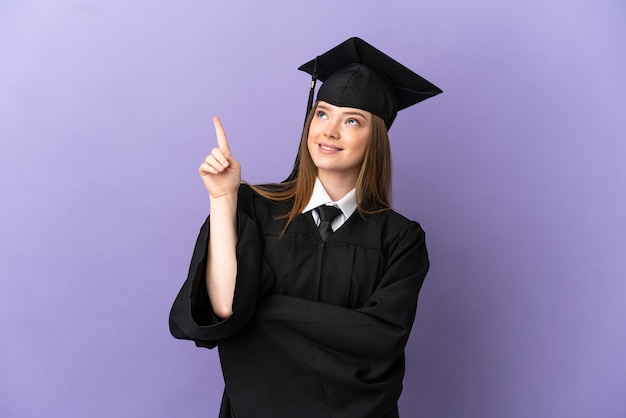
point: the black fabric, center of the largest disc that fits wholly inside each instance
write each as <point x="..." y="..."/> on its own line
<point x="327" y="215"/>
<point x="317" y="330"/>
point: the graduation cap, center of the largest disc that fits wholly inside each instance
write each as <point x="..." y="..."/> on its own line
<point x="355" y="74"/>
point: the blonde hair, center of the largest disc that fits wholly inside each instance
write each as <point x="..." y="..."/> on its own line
<point x="373" y="188"/>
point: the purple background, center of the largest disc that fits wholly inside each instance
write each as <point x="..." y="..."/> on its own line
<point x="517" y="172"/>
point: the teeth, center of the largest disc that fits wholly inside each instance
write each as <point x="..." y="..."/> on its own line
<point x="329" y="148"/>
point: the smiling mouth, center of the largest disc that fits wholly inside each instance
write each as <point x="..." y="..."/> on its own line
<point x="329" y="148"/>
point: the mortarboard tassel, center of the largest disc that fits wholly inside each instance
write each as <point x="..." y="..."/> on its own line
<point x="309" y="105"/>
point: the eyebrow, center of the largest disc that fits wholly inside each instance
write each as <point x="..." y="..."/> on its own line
<point x="346" y="112"/>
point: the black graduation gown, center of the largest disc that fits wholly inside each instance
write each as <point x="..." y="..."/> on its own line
<point x="318" y="329"/>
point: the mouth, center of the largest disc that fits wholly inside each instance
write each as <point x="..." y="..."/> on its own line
<point x="328" y="148"/>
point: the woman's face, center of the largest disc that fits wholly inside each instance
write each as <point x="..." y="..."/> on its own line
<point x="338" y="138"/>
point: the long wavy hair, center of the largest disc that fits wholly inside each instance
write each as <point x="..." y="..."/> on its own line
<point x="373" y="188"/>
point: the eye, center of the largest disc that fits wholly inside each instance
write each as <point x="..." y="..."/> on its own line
<point x="322" y="114"/>
<point x="353" y="122"/>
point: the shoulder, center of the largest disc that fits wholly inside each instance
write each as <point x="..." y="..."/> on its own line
<point x="392" y="221"/>
<point x="402" y="227"/>
<point x="402" y="236"/>
<point x="254" y="204"/>
<point x="246" y="192"/>
<point x="381" y="231"/>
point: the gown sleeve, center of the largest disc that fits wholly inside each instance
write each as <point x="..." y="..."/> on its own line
<point x="191" y="315"/>
<point x="340" y="362"/>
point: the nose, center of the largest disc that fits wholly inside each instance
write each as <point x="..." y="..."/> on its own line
<point x="331" y="131"/>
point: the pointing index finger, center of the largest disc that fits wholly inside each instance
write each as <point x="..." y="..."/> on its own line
<point x="222" y="143"/>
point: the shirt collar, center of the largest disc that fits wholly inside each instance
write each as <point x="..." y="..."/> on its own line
<point x="347" y="204"/>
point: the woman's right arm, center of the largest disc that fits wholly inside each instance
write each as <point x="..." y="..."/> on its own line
<point x="221" y="175"/>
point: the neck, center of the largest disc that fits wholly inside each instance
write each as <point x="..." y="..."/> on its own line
<point x="336" y="186"/>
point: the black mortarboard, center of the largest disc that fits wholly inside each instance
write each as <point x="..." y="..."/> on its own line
<point x="355" y="74"/>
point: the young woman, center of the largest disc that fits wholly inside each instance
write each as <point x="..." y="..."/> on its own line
<point x="309" y="287"/>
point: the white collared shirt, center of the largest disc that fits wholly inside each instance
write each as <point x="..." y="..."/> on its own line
<point x="347" y="204"/>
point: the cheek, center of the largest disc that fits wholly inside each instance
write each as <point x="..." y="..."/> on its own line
<point x="311" y="138"/>
<point x="311" y="150"/>
<point x="362" y="145"/>
<point x="314" y="128"/>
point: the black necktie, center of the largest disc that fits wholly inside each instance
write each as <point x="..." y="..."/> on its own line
<point x="327" y="214"/>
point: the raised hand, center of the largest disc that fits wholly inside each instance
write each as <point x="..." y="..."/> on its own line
<point x="220" y="172"/>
